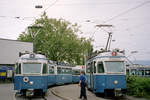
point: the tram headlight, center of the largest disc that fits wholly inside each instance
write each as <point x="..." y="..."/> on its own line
<point x="25" y="79"/>
<point x="115" y="82"/>
<point x="31" y="82"/>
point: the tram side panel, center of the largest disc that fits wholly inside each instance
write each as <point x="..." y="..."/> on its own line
<point x="75" y="78"/>
<point x="63" y="79"/>
<point x="99" y="83"/>
<point x="51" y="79"/>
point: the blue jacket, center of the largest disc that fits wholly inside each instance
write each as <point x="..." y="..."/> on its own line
<point x="82" y="78"/>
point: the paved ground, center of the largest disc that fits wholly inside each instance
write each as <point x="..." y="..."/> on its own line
<point x="7" y="93"/>
<point x="72" y="92"/>
<point x="66" y="92"/>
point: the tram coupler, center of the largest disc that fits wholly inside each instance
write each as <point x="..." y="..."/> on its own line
<point x="18" y="93"/>
<point x="30" y="93"/>
<point x="118" y="92"/>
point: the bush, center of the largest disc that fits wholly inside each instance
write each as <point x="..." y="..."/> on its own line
<point x="138" y="86"/>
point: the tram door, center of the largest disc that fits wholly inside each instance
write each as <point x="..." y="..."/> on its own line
<point x="91" y="75"/>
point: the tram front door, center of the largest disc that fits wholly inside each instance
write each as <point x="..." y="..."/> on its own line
<point x="91" y="76"/>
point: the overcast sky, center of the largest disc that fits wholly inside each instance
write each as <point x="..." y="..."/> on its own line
<point x="130" y="18"/>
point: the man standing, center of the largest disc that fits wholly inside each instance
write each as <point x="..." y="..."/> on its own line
<point x="82" y="84"/>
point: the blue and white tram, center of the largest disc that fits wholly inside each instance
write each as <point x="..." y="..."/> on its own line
<point x="63" y="73"/>
<point x="76" y="74"/>
<point x="106" y="73"/>
<point x="52" y="73"/>
<point x="31" y="73"/>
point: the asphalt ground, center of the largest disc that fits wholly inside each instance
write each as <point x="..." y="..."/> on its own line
<point x="72" y="92"/>
<point x="7" y="93"/>
<point x="64" y="92"/>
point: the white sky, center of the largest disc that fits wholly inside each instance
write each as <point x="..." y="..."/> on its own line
<point x="131" y="30"/>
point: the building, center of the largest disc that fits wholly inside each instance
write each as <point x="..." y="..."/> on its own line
<point x="9" y="51"/>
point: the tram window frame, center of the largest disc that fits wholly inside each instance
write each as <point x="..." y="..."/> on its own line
<point x="91" y="67"/>
<point x="18" y="68"/>
<point x="88" y="68"/>
<point x="103" y="70"/>
<point x="59" y="70"/>
<point x="63" y="70"/>
<point x="133" y="72"/>
<point x="51" y="70"/>
<point x="147" y="70"/>
<point x="76" y="72"/>
<point x="68" y="71"/>
<point x="94" y="66"/>
<point x="44" y="70"/>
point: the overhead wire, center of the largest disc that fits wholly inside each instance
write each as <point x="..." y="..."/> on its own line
<point x="23" y="18"/>
<point x="51" y="5"/>
<point x="127" y="11"/>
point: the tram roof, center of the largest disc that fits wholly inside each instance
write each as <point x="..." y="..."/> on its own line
<point x="108" y="55"/>
<point x="33" y="56"/>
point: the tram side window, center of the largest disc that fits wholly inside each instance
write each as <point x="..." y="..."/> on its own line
<point x="91" y="67"/>
<point x="18" y="68"/>
<point x="58" y="70"/>
<point x="76" y="72"/>
<point x="88" y="68"/>
<point x="94" y="67"/>
<point x="44" y="68"/>
<point x="63" y="71"/>
<point x="68" y="71"/>
<point x="147" y="72"/>
<point x="100" y="67"/>
<point x="51" y="70"/>
<point x="133" y="71"/>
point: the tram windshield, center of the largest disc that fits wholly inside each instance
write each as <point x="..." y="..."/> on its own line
<point x="31" y="68"/>
<point x="115" y="66"/>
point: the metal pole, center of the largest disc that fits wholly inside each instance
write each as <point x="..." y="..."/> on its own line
<point x="33" y="35"/>
<point x="109" y="35"/>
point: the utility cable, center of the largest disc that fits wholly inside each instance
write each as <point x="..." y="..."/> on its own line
<point x="51" y="5"/>
<point x="127" y="11"/>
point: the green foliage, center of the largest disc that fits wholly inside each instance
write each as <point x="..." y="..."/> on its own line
<point x="58" y="40"/>
<point x="138" y="86"/>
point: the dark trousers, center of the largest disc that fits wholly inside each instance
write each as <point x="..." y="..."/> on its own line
<point x="83" y="91"/>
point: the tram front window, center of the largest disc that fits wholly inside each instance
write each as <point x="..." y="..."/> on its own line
<point x="31" y="68"/>
<point x="115" y="66"/>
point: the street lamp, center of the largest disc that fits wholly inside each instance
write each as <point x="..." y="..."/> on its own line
<point x="34" y="34"/>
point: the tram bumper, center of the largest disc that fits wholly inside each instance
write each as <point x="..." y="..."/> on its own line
<point x="29" y="92"/>
<point x="118" y="92"/>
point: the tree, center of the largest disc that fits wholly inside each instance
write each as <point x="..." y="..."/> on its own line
<point x="58" y="40"/>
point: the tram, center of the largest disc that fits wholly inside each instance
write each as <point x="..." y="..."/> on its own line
<point x="63" y="73"/>
<point x="31" y="73"/>
<point x="139" y="70"/>
<point x="76" y="74"/>
<point x="106" y="73"/>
